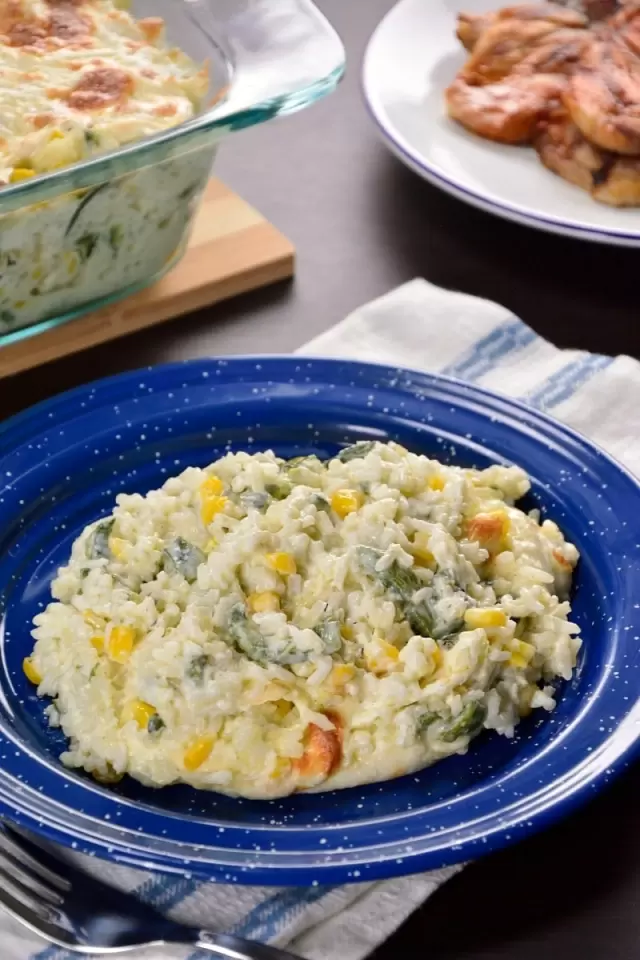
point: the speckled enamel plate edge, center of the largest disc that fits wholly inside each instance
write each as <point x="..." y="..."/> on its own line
<point x="498" y="793"/>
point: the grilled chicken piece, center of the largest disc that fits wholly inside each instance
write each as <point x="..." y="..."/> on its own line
<point x="471" y="27"/>
<point x="624" y="28"/>
<point x="608" y="177"/>
<point x="603" y="98"/>
<point x="507" y="112"/>
<point x="507" y="44"/>
<point x="561" y="52"/>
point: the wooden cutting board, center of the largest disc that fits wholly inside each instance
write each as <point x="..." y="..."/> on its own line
<point x="232" y="249"/>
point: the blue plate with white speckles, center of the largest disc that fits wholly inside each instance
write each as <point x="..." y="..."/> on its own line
<point x="61" y="465"/>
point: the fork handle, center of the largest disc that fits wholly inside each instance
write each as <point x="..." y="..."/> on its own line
<point x="234" y="948"/>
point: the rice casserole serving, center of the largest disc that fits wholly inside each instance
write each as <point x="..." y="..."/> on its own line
<point x="79" y="78"/>
<point x="263" y="626"/>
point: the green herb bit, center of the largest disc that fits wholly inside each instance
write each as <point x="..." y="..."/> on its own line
<point x="85" y="245"/>
<point x="155" y="724"/>
<point x="116" y="236"/>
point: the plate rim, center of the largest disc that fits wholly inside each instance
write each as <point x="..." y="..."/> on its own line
<point x="293" y="874"/>
<point x="400" y="147"/>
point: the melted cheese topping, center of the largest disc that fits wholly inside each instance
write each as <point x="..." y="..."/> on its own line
<point x="83" y="76"/>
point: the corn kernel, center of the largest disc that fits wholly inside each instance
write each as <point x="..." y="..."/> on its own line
<point x="491" y="617"/>
<point x="420" y="550"/>
<point x="283" y="708"/>
<point x="141" y="712"/>
<point x="347" y="631"/>
<point x="211" y="487"/>
<point x="117" y="547"/>
<point x="436" y="482"/>
<point x="210" y="545"/>
<point x="342" y="673"/>
<point x="21" y="173"/>
<point x="197" y="752"/>
<point x="97" y="642"/>
<point x="120" y="643"/>
<point x="93" y="620"/>
<point x="31" y="672"/>
<point x="521" y="653"/>
<point x="437" y="659"/>
<point x="422" y="556"/>
<point x="383" y="658"/>
<point x="72" y="261"/>
<point x="211" y="505"/>
<point x="283" y="563"/>
<point x="345" y="502"/>
<point x="266" y="602"/>
<point x="56" y="135"/>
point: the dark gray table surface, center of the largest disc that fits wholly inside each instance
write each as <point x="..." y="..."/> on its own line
<point x="362" y="224"/>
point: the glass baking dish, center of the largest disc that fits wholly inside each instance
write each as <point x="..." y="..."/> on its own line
<point x="85" y="235"/>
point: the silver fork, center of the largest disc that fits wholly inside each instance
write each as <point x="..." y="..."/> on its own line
<point x="72" y="909"/>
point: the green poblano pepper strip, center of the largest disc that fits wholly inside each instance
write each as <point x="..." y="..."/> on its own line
<point x="97" y="546"/>
<point x="467" y="724"/>
<point x="304" y="469"/>
<point x="401" y="584"/>
<point x="180" y="556"/>
<point x="255" y="499"/>
<point x="420" y="620"/>
<point x="425" y="720"/>
<point x="196" y="668"/>
<point x="248" y="638"/>
<point x="308" y="460"/>
<point x="329" y="633"/>
<point x="356" y="451"/>
<point x="400" y="581"/>
<point x="279" y="489"/>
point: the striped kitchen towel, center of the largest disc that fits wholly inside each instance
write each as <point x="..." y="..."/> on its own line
<point x="418" y="326"/>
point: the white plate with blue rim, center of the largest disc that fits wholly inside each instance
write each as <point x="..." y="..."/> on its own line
<point x="411" y="59"/>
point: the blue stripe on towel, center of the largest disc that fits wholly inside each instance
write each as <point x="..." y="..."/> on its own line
<point x="268" y="918"/>
<point x="564" y="383"/>
<point x="482" y="356"/>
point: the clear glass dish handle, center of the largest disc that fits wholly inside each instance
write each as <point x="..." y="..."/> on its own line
<point x="284" y="54"/>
